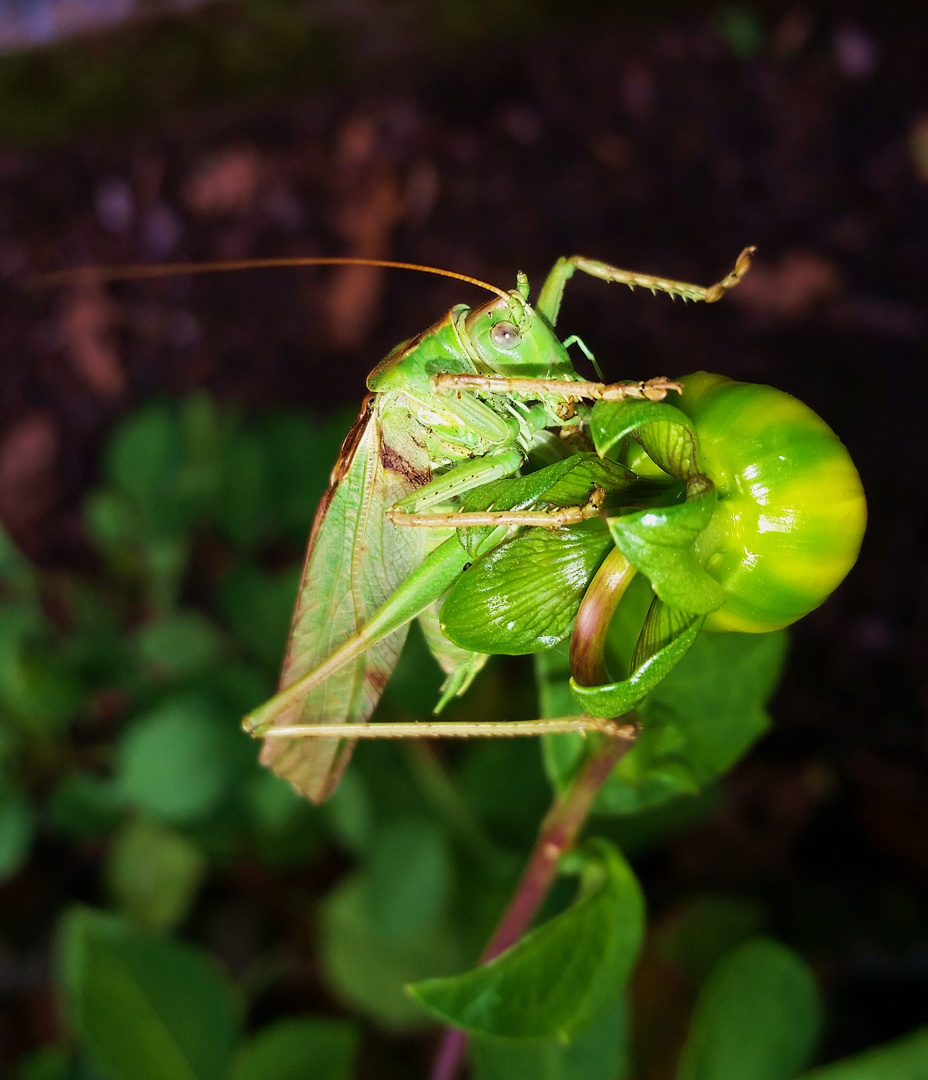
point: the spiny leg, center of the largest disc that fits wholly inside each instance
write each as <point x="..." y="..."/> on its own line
<point x="541" y="519"/>
<point x="549" y="299"/>
<point x="428" y="729"/>
<point x="573" y="390"/>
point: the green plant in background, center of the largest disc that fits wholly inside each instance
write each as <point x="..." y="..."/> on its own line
<point x="194" y="527"/>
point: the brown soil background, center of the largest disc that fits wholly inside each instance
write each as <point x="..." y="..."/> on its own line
<point x="651" y="145"/>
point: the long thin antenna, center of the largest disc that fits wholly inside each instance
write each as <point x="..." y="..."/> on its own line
<point x="85" y="275"/>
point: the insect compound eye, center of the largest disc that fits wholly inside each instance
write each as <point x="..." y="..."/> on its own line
<point x="505" y="336"/>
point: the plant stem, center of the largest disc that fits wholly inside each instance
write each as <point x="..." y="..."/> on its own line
<point x="557" y="834"/>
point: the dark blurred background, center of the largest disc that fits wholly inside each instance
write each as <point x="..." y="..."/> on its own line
<point x="490" y="138"/>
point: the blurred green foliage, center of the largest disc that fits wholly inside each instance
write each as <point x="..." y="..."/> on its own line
<point x="120" y="748"/>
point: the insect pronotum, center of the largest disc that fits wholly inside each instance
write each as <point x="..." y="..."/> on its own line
<point x="464" y="403"/>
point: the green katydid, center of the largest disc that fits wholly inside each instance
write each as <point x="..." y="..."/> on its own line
<point x="461" y="406"/>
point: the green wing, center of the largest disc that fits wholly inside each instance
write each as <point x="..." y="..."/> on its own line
<point x="355" y="561"/>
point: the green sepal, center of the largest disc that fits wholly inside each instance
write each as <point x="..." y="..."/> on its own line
<point x="667" y="434"/>
<point x="660" y="543"/>
<point x="666" y="637"/>
<point x="696" y="724"/>
<point x="523" y="596"/>
<point x="559" y="977"/>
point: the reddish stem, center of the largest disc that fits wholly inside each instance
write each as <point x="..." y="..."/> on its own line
<point x="588" y="640"/>
<point x="558" y="833"/>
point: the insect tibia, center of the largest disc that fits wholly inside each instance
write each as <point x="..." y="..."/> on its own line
<point x="573" y="390"/>
<point x="539" y="519"/>
<point x="613" y="729"/>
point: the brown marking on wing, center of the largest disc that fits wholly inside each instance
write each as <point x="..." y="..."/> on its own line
<point x="394" y="461"/>
<point x="378" y="680"/>
<point x="342" y="465"/>
<point x="350" y="443"/>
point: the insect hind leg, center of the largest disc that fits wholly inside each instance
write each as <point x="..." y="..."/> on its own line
<point x="556" y="518"/>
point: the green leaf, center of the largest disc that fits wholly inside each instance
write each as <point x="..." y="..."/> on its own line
<point x="561" y="976"/>
<point x="111" y="519"/>
<point x="523" y="596"/>
<point x="757" y="1017"/>
<point x="16" y="572"/>
<point x="708" y="927"/>
<point x="53" y="1062"/>
<point x="179" y="760"/>
<point x="47" y="1063"/>
<point x="206" y="438"/>
<point x="86" y="805"/>
<point x="401" y="902"/>
<point x="660" y="543"/>
<point x="258" y="605"/>
<point x="699" y="721"/>
<point x="562" y="754"/>
<point x="180" y="644"/>
<point x="243" y="507"/>
<point x="38" y="691"/>
<point x="368" y="972"/>
<point x="144" y="459"/>
<point x="300" y="453"/>
<point x="80" y="1066"/>
<point x="654" y="825"/>
<point x="164" y="466"/>
<point x="552" y="675"/>
<point x="153" y="874"/>
<point x="904" y="1059"/>
<point x="284" y="826"/>
<point x="17" y="828"/>
<point x="350" y="814"/>
<point x="667" y="636"/>
<point x="133" y="548"/>
<point x="667" y="434"/>
<point x="416" y="683"/>
<point x="308" y="1048"/>
<point x="147" y="1007"/>
<point x="598" y="1053"/>
<point x="503" y="787"/>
